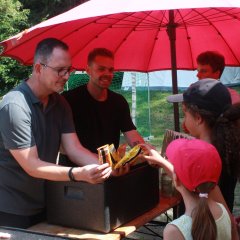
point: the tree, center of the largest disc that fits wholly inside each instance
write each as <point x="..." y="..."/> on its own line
<point x="17" y="15"/>
<point x="13" y="19"/>
<point x="41" y="10"/>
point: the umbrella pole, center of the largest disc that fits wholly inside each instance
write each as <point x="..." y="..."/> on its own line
<point x="172" y="37"/>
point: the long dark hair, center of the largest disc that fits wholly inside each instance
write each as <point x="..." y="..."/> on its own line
<point x="225" y="134"/>
<point x="203" y="223"/>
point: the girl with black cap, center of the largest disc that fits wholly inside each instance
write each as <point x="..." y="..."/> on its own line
<point x="209" y="115"/>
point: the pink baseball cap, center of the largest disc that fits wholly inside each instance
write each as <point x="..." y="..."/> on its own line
<point x="195" y="162"/>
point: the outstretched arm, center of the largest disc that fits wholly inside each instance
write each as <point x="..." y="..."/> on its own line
<point x="133" y="138"/>
<point x="76" y="152"/>
<point x="30" y="162"/>
<point x="155" y="158"/>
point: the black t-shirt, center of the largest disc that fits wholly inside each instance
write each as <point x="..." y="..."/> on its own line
<point x="99" y="123"/>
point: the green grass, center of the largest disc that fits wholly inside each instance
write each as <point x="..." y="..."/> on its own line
<point x="152" y="123"/>
<point x="161" y="113"/>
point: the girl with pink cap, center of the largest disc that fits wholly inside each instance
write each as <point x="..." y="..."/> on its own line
<point x="196" y="170"/>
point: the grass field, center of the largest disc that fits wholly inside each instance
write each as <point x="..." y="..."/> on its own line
<point x="160" y="117"/>
<point x="153" y="116"/>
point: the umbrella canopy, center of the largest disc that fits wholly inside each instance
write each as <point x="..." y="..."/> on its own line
<point x="144" y="35"/>
<point x="138" y="32"/>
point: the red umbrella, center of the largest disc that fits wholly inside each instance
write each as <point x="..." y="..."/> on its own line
<point x="144" y="35"/>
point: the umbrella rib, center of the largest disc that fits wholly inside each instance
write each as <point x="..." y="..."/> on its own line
<point x="116" y="49"/>
<point x="77" y="52"/>
<point x="125" y="38"/>
<point x="213" y="17"/>
<point x="212" y="24"/>
<point x="188" y="38"/>
<point x="45" y="31"/>
<point x="130" y="29"/>
<point x="156" y="38"/>
<point x="75" y="30"/>
<point x="90" y="40"/>
<point x="146" y="23"/>
<point x="5" y="53"/>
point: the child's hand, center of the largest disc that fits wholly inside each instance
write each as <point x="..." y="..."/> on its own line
<point x="151" y="155"/>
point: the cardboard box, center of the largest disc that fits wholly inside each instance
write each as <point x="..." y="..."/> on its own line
<point x="106" y="206"/>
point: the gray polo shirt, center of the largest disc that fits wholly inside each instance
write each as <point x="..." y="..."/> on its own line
<point x="24" y="124"/>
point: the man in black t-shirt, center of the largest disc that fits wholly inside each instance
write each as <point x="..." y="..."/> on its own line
<point x="100" y="115"/>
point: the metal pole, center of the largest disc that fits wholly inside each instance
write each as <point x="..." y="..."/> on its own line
<point x="134" y="97"/>
<point x="149" y="109"/>
<point x="172" y="37"/>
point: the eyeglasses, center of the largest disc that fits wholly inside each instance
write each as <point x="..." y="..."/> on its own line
<point x="60" y="71"/>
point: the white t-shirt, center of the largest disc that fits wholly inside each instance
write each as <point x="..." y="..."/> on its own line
<point x="184" y="224"/>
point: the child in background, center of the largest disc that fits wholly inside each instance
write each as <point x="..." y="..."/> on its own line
<point x="196" y="171"/>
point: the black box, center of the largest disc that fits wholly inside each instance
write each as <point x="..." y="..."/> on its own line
<point x="106" y="206"/>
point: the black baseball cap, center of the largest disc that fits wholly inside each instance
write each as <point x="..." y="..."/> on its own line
<point x="208" y="94"/>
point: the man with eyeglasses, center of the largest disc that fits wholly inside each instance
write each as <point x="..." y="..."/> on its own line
<point x="34" y="121"/>
<point x="60" y="71"/>
<point x="99" y="114"/>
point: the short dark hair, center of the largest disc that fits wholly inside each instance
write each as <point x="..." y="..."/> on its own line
<point x="214" y="59"/>
<point x="99" y="52"/>
<point x="45" y="48"/>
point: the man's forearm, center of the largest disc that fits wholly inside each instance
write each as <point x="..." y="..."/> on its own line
<point x="133" y="138"/>
<point x="82" y="156"/>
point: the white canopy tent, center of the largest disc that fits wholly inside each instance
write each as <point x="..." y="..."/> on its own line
<point x="163" y="79"/>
